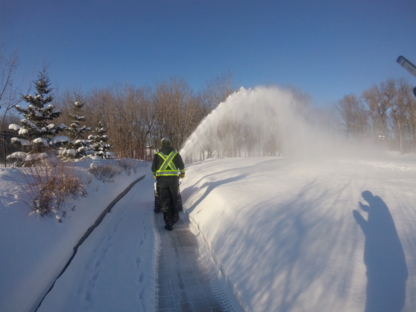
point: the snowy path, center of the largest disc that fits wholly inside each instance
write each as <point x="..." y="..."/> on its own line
<point x="187" y="275"/>
<point x="114" y="269"/>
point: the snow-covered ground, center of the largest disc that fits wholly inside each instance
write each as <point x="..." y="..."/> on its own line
<point x="289" y="234"/>
<point x="34" y="250"/>
<point x="114" y="269"/>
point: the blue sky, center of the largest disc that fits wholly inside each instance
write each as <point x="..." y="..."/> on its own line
<point x="328" y="48"/>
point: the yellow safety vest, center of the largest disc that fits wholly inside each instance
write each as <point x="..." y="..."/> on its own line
<point x="168" y="168"/>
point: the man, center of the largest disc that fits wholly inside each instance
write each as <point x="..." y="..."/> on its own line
<point x="166" y="166"/>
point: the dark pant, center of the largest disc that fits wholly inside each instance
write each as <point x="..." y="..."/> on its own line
<point x="168" y="188"/>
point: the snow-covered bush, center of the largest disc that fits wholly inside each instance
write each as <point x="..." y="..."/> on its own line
<point x="48" y="187"/>
<point x="105" y="172"/>
<point x="98" y="142"/>
<point x="128" y="165"/>
<point x="37" y="135"/>
<point x="78" y="147"/>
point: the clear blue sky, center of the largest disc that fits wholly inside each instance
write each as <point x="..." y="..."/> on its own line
<point x="328" y="48"/>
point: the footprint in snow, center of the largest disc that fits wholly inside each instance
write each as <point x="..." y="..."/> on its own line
<point x="141" y="277"/>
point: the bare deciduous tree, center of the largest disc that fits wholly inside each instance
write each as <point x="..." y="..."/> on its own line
<point x="353" y="115"/>
<point x="176" y="111"/>
<point x="379" y="99"/>
<point x="403" y="117"/>
<point x="9" y="93"/>
<point x="218" y="89"/>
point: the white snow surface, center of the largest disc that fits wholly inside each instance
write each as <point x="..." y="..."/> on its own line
<point x="285" y="234"/>
<point x="60" y="139"/>
<point x="36" y="156"/>
<point x="289" y="235"/>
<point x="17" y="155"/>
<point x="14" y="127"/>
<point x="21" y="141"/>
<point x="23" y="132"/>
<point x="70" y="151"/>
<point x="33" y="250"/>
<point x="29" y="123"/>
<point x="44" y="141"/>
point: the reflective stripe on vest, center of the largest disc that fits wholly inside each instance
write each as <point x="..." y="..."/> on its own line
<point x="168" y="168"/>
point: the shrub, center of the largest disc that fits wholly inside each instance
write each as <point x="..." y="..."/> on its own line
<point x="128" y="165"/>
<point x="49" y="186"/>
<point x="104" y="172"/>
<point x="107" y="170"/>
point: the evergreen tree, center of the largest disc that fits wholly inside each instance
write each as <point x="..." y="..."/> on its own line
<point x="98" y="142"/>
<point x="39" y="133"/>
<point x="78" y="147"/>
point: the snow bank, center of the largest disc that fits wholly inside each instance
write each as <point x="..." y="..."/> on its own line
<point x="284" y="233"/>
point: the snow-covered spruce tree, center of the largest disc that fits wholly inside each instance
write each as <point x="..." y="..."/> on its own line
<point x="98" y="142"/>
<point x="37" y="135"/>
<point x="78" y="147"/>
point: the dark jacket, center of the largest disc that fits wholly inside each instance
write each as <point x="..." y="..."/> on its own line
<point x="158" y="161"/>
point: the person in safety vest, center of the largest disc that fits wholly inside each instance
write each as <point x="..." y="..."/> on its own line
<point x="167" y="168"/>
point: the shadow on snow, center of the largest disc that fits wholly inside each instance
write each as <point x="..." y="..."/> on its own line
<point x="383" y="256"/>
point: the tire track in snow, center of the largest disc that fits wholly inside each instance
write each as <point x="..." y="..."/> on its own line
<point x="188" y="279"/>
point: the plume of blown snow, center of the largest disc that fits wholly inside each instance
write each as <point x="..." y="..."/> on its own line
<point x="259" y="122"/>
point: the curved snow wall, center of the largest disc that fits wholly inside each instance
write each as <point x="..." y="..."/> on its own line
<point x="264" y="121"/>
